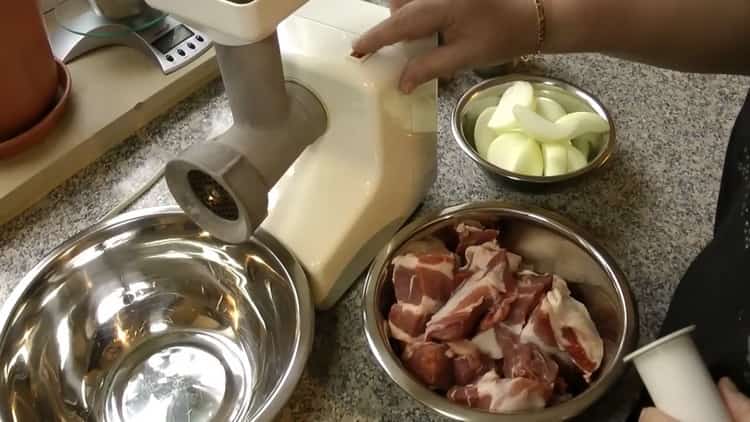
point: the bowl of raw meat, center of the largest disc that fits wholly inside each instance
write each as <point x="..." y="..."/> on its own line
<point x="533" y="131"/>
<point x="497" y="312"/>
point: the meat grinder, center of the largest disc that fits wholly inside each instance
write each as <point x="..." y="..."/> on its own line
<point x="325" y="153"/>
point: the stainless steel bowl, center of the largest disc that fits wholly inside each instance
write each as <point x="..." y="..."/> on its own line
<point x="552" y="244"/>
<point x="148" y="318"/>
<point x="487" y="94"/>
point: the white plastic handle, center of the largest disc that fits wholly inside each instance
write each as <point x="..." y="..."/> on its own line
<point x="677" y="379"/>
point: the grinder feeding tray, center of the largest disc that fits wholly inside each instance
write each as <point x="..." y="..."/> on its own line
<point x="325" y="154"/>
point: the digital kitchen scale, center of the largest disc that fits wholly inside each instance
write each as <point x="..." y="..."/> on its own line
<point x="169" y="42"/>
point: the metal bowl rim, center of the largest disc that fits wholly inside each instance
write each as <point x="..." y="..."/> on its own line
<point x="299" y="285"/>
<point x="601" y="159"/>
<point x="391" y="365"/>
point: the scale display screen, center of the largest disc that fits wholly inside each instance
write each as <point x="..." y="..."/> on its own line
<point x="172" y="38"/>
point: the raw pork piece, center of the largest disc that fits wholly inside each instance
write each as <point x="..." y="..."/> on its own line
<point x="490" y="277"/>
<point x="406" y="322"/>
<point x="486" y="342"/>
<point x="430" y="362"/>
<point x="501" y="395"/>
<point x="468" y="363"/>
<point x="514" y="261"/>
<point x="462" y="274"/>
<point x="525" y="360"/>
<point x="515" y="307"/>
<point x="427" y="275"/>
<point x="574" y="330"/>
<point x="500" y="309"/>
<point x="425" y="245"/>
<point x="472" y="233"/>
<point x="539" y="331"/>
<point x="561" y="323"/>
<point x="423" y="281"/>
<point x="512" y="309"/>
<point x="530" y="289"/>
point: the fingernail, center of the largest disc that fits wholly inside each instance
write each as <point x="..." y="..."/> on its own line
<point x="729" y="384"/>
<point x="407" y="87"/>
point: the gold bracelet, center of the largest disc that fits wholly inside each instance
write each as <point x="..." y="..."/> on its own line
<point x="541" y="25"/>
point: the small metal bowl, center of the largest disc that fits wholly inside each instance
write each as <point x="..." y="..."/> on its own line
<point x="487" y="93"/>
<point x="550" y="243"/>
<point x="147" y="317"/>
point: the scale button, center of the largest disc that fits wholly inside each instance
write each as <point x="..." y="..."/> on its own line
<point x="191" y="46"/>
<point x="181" y="52"/>
<point x="199" y="38"/>
<point x="170" y="58"/>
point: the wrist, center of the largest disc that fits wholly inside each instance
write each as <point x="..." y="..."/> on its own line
<point x="524" y="24"/>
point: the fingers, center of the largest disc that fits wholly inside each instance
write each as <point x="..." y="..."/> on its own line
<point x="737" y="403"/>
<point x="416" y="19"/>
<point x="441" y="61"/>
<point x="652" y="414"/>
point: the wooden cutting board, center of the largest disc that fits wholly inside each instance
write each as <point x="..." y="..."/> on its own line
<point x="116" y="91"/>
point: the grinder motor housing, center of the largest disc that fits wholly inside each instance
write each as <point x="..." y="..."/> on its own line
<point x="325" y="153"/>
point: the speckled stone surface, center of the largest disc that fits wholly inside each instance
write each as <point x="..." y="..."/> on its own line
<point x="653" y="208"/>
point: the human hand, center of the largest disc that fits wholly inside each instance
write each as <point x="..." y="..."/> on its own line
<point x="737" y="403"/>
<point x="475" y="32"/>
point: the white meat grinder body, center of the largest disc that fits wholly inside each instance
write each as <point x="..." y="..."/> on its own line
<point x="366" y="168"/>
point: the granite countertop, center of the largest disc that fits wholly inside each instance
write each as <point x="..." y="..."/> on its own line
<point x="653" y="208"/>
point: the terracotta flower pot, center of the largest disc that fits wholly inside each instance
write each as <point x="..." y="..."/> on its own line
<point x="28" y="72"/>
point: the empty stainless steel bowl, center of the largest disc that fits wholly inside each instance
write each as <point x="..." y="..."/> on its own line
<point x="148" y="318"/>
<point x="552" y="244"/>
<point x="487" y="93"/>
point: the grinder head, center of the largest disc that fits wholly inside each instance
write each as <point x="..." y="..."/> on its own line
<point x="219" y="189"/>
<point x="223" y="184"/>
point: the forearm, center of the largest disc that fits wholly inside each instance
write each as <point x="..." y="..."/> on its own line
<point x="689" y="35"/>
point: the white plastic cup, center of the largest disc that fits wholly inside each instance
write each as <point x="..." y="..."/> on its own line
<point x="677" y="379"/>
